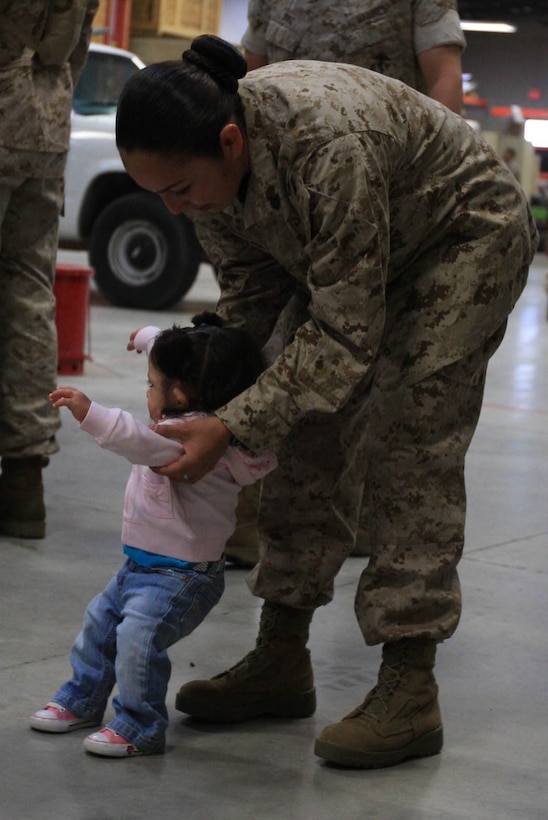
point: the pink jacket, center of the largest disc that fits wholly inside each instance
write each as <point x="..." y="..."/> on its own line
<point x="189" y="522"/>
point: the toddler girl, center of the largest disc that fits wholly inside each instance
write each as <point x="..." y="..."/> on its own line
<point x="173" y="537"/>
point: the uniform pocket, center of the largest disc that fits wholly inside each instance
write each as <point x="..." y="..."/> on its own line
<point x="339" y="33"/>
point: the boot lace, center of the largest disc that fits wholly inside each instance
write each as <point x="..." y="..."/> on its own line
<point x="377" y="701"/>
<point x="246" y="664"/>
<point x="267" y="631"/>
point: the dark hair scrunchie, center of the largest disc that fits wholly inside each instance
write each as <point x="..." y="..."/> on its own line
<point x="207" y="319"/>
<point x="219" y="59"/>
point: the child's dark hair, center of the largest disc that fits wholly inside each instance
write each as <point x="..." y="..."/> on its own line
<point x="214" y="363"/>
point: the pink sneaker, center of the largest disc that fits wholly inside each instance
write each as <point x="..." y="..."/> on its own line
<point x="110" y="744"/>
<point x="55" y="718"/>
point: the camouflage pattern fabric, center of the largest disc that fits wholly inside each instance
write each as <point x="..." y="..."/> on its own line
<point x="384" y="37"/>
<point x="406" y="243"/>
<point x="35" y="104"/>
<point x="29" y="214"/>
<point x="35" y="100"/>
<point x="375" y="34"/>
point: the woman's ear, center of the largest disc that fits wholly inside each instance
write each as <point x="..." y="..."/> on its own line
<point x="181" y="396"/>
<point x="232" y="141"/>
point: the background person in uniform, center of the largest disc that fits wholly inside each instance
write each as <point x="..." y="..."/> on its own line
<point x="511" y="159"/>
<point x="412" y="240"/>
<point x="42" y="52"/>
<point x="416" y="41"/>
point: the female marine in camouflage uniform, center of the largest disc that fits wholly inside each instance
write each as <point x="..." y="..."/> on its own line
<point x="416" y="41"/>
<point x="407" y="242"/>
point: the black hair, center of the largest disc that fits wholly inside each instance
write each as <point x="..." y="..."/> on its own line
<point x="180" y="107"/>
<point x="213" y="362"/>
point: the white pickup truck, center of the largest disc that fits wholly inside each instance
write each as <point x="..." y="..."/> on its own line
<point x="143" y="256"/>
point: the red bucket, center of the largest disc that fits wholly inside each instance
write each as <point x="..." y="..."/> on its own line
<point x="71" y="290"/>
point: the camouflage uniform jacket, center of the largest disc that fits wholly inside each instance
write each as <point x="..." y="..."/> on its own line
<point x="406" y="232"/>
<point x="385" y="37"/>
<point x="35" y="100"/>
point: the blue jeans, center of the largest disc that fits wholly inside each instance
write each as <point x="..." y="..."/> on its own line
<point x="124" y="640"/>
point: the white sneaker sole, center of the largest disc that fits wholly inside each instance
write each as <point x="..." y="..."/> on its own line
<point x="43" y="723"/>
<point x="98" y="746"/>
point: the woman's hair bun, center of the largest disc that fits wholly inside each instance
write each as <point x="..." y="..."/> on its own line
<point x="207" y="319"/>
<point x="221" y="52"/>
<point x="218" y="58"/>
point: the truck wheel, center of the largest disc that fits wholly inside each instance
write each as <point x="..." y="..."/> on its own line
<point x="143" y="256"/>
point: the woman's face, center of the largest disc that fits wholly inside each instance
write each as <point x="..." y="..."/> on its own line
<point x="192" y="183"/>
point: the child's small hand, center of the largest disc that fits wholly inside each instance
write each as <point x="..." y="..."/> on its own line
<point x="78" y="403"/>
<point x="130" y="344"/>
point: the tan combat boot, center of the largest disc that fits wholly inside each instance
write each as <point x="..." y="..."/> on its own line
<point x="400" y="717"/>
<point x="274" y="679"/>
<point x="22" y="509"/>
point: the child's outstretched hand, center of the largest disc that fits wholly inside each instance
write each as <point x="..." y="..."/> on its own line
<point x="130" y="344"/>
<point x="78" y="403"/>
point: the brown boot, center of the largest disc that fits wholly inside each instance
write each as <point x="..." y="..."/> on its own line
<point x="22" y="509"/>
<point x="275" y="678"/>
<point x="400" y="718"/>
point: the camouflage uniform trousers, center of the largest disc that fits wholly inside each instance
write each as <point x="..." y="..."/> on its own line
<point x="408" y="442"/>
<point x="31" y="198"/>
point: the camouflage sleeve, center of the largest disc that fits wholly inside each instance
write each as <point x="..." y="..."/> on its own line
<point x="78" y="57"/>
<point x="346" y="218"/>
<point x="254" y="38"/>
<point x="254" y="287"/>
<point x="436" y="23"/>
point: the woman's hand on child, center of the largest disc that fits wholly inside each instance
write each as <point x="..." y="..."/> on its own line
<point x="205" y="440"/>
<point x="78" y="403"/>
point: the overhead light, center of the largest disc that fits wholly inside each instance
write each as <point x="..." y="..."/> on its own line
<point x="491" y="28"/>
<point x="536" y="131"/>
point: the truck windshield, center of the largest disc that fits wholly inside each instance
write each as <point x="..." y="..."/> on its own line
<point x="101" y="82"/>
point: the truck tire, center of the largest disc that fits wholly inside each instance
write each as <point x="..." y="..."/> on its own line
<point x="143" y="256"/>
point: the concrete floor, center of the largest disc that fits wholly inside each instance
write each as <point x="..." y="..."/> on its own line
<point x="493" y="674"/>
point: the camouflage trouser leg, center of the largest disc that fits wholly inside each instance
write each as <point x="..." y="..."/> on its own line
<point x="420" y="434"/>
<point x="412" y="440"/>
<point x="309" y="508"/>
<point x="29" y="216"/>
